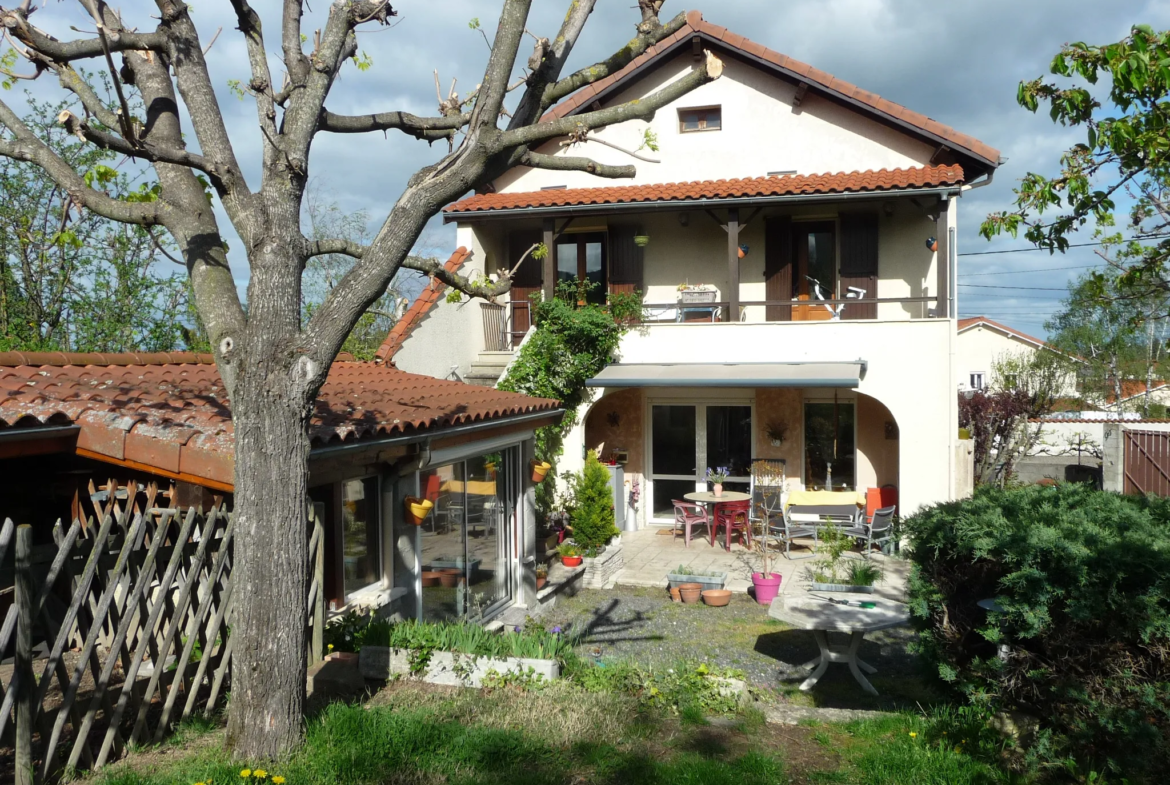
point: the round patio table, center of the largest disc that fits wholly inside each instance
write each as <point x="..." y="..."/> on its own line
<point x="706" y="497"/>
<point x="808" y="612"/>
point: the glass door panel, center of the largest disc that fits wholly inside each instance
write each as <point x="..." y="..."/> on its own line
<point x="829" y="450"/>
<point x="566" y="261"/>
<point x="595" y="272"/>
<point x="673" y="469"/>
<point x="821" y="250"/>
<point x="487" y="558"/>
<point x="729" y="443"/>
<point x="359" y="534"/>
<point x="443" y="550"/>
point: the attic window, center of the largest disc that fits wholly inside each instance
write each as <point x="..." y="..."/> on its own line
<point x="702" y="118"/>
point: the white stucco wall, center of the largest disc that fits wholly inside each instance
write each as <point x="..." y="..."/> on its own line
<point x="908" y="370"/>
<point x="762" y="132"/>
<point x="980" y="348"/>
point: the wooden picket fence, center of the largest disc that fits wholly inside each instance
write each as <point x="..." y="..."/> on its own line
<point x="120" y="627"/>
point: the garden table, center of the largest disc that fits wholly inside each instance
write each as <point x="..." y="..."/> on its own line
<point x="707" y="497"/>
<point x="808" y="612"/>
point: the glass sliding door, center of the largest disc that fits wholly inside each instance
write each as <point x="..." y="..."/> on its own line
<point x="672" y="456"/>
<point x="829" y="445"/>
<point x="686" y="439"/>
<point x="360" y="541"/>
<point x="465" y="557"/>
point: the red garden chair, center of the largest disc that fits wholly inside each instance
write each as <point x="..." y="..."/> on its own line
<point x="686" y="515"/>
<point x="733" y="517"/>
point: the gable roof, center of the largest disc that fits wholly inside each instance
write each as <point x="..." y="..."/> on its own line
<point x="790" y="69"/>
<point x="426" y="300"/>
<point x="745" y="188"/>
<point x="983" y="321"/>
<point x="170" y="413"/>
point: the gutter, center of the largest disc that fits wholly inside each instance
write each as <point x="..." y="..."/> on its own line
<point x="38" y="433"/>
<point x="416" y="438"/>
<point x="980" y="183"/>
<point x="690" y="204"/>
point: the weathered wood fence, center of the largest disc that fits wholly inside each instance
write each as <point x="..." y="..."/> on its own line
<point x="119" y="628"/>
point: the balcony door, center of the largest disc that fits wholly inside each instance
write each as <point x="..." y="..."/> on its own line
<point x="582" y="257"/>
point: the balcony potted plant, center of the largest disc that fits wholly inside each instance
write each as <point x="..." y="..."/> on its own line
<point x="717" y="477"/>
<point x="541" y="576"/>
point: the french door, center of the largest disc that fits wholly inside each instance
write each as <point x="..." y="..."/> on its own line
<point x="688" y="438"/>
<point x="582" y="257"/>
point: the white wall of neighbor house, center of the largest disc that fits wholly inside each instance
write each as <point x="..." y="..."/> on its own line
<point x="980" y="348"/>
<point x="908" y="372"/>
<point x="450" y="337"/>
<point x="761" y="132"/>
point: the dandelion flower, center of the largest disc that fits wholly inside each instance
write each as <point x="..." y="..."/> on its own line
<point x="259" y="774"/>
<point x="245" y="772"/>
<point x="200" y="783"/>
<point x="278" y="780"/>
<point x="913" y="735"/>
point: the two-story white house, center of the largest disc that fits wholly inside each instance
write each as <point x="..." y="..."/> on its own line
<point x="795" y="247"/>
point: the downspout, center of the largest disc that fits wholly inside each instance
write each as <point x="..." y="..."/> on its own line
<point x="981" y="183"/>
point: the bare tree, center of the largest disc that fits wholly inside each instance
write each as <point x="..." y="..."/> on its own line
<point x="272" y="366"/>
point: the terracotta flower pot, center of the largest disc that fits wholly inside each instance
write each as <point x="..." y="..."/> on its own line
<point x="450" y="577"/>
<point x="717" y="598"/>
<point x="571" y="561"/>
<point x="690" y="592"/>
<point x="540" y="582"/>
<point x="675" y="595"/>
<point x="431" y="578"/>
<point x="540" y="470"/>
<point x="417" y="509"/>
<point x="718" y="489"/>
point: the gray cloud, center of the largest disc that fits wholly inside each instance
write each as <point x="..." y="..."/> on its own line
<point x="958" y="62"/>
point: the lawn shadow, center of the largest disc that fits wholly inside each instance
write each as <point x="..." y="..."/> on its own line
<point x="604" y="627"/>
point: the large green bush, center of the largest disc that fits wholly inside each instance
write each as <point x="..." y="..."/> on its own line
<point x="1082" y="583"/>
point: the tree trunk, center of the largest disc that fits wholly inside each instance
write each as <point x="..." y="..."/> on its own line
<point x="270" y="569"/>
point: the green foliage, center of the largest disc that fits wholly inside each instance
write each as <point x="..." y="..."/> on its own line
<point x="71" y="280"/>
<point x="687" y="686"/>
<point x="1126" y="149"/>
<point x="363" y="61"/>
<point x="593" y="518"/>
<point x="355" y="630"/>
<point x="568" y="549"/>
<point x="1083" y="581"/>
<point x="685" y="570"/>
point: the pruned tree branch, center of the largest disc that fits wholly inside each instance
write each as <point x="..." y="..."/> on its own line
<point x="426" y="128"/>
<point x="145" y="151"/>
<point x="485" y="288"/>
<point x="16" y="20"/>
<point x="334" y="245"/>
<point x="569" y="163"/>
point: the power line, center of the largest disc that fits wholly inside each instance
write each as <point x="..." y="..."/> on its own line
<point x="1029" y="272"/>
<point x="1070" y="245"/>
<point x="1026" y="288"/>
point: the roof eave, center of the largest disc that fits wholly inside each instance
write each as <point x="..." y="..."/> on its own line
<point x="690" y="204"/>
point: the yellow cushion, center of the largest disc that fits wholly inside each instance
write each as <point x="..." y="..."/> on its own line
<point x="825" y="498"/>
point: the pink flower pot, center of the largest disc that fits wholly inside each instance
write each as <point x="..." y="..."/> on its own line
<point x="766" y="588"/>
<point x="718" y="489"/>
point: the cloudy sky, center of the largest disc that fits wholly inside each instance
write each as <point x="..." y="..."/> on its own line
<point x="958" y="62"/>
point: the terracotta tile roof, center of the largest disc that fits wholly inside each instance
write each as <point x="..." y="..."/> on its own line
<point x="815" y="78"/>
<point x="176" y="417"/>
<point x="431" y="294"/>
<point x="750" y="187"/>
<point x="968" y="323"/>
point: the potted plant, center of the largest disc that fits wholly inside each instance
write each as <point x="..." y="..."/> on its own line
<point x="829" y="573"/>
<point x="540" y="470"/>
<point x="417" y="509"/>
<point x="491" y="463"/>
<point x="683" y="574"/>
<point x="541" y="576"/>
<point x="765" y="583"/>
<point x="641" y="240"/>
<point x="570" y="554"/>
<point x="717" y="477"/>
<point x="777" y="432"/>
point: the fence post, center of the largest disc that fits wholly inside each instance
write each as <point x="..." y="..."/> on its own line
<point x="319" y="602"/>
<point x="24" y="599"/>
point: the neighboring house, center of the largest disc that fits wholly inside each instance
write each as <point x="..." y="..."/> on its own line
<point x="983" y="343"/>
<point x="1134" y="396"/>
<point x="378" y="435"/>
<point x="772" y="175"/>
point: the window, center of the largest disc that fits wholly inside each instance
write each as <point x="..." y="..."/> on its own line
<point x="581" y="257"/>
<point x="360" y="544"/>
<point x="829" y="454"/>
<point x="977" y="381"/>
<point x="704" y="118"/>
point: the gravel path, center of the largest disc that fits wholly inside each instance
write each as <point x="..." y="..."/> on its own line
<point x="643" y="625"/>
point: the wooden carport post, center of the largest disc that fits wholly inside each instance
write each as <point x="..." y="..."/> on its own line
<point x="550" y="260"/>
<point x="732" y="314"/>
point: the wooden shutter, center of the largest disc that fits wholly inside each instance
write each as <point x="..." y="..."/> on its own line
<point x="625" y="260"/>
<point x="526" y="280"/>
<point x="778" y="267"/>
<point x="859" y="261"/>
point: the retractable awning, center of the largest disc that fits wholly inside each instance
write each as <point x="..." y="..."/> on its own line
<point x="805" y="374"/>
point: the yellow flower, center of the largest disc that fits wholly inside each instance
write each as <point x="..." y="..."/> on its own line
<point x="200" y="783"/>
<point x="259" y="774"/>
<point x="245" y="772"/>
<point x="278" y="780"/>
<point x="330" y="647"/>
<point x="913" y="735"/>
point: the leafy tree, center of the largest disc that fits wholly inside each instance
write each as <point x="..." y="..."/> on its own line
<point x="71" y="280"/>
<point x="1125" y="157"/>
<point x="272" y="364"/>
<point x="593" y="518"/>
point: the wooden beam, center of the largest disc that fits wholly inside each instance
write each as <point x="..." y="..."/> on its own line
<point x="751" y="218"/>
<point x="206" y="482"/>
<point x="943" y="260"/>
<point x="801" y="89"/>
<point x="715" y="218"/>
<point x="732" y="265"/>
<point x="549" y="284"/>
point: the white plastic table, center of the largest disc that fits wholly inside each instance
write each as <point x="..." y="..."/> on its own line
<point x="806" y="612"/>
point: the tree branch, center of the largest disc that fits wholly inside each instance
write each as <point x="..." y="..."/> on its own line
<point x="568" y="163"/>
<point x="485" y="289"/>
<point x="425" y="128"/>
<point x="549" y="69"/>
<point x="261" y="83"/>
<point x="16" y="20"/>
<point x="331" y="245"/>
<point x="493" y="89"/>
<point x="644" y="109"/>
<point x="145" y="151"/>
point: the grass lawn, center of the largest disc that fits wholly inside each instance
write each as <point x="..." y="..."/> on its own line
<point x="413" y="733"/>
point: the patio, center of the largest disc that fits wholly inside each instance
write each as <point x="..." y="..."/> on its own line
<point x="651" y="553"/>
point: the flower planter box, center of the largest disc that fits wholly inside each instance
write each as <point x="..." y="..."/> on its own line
<point x="845" y="587"/>
<point x="601" y="570"/>
<point x="380" y="663"/>
<point x="708" y="581"/>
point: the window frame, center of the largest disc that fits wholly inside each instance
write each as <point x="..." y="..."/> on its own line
<point x="377" y="549"/>
<point x="982" y="376"/>
<point x="701" y="111"/>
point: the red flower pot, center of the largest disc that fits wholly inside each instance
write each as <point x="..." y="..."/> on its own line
<point x="571" y="561"/>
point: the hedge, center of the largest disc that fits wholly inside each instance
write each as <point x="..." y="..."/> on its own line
<point x="1080" y="637"/>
